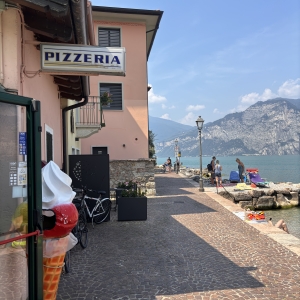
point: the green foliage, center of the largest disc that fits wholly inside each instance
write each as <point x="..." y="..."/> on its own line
<point x="151" y="144"/>
<point x="105" y="98"/>
<point x="127" y="185"/>
<point x="133" y="193"/>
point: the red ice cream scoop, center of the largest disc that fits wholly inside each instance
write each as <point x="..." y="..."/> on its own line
<point x="60" y="220"/>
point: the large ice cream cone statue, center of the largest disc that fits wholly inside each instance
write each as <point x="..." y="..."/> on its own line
<point x="52" y="269"/>
<point x="60" y="217"/>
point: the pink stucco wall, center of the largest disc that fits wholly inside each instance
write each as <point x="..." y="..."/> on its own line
<point x="130" y="125"/>
<point x="41" y="87"/>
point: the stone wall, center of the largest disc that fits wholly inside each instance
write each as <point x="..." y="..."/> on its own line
<point x="141" y="170"/>
<point x="265" y="199"/>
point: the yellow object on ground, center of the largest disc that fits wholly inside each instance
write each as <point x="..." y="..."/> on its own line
<point x="52" y="270"/>
<point x="243" y="186"/>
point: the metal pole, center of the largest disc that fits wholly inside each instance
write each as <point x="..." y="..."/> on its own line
<point x="201" y="189"/>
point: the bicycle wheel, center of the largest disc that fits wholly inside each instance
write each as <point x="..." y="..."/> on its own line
<point x="102" y="212"/>
<point x="76" y="233"/>
<point x="67" y="261"/>
<point x="84" y="238"/>
<point x="82" y="227"/>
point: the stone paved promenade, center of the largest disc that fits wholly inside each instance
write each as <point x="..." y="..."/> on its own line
<point x="191" y="247"/>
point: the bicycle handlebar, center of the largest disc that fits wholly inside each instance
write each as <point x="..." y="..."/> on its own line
<point x="84" y="190"/>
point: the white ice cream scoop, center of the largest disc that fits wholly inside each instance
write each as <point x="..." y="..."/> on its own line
<point x="56" y="186"/>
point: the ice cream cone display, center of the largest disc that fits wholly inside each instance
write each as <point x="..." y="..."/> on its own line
<point x="60" y="216"/>
<point x="52" y="270"/>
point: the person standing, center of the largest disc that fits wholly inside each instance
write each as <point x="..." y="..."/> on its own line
<point x="218" y="175"/>
<point x="241" y="168"/>
<point x="212" y="172"/>
<point x="169" y="164"/>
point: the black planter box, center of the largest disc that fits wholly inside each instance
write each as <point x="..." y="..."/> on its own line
<point x="118" y="194"/>
<point x="132" y="208"/>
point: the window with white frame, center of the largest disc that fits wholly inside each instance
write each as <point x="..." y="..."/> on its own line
<point x="115" y="89"/>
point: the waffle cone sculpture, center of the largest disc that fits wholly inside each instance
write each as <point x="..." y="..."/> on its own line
<point x="52" y="270"/>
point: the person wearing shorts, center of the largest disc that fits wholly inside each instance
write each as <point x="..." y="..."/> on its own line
<point x="218" y="175"/>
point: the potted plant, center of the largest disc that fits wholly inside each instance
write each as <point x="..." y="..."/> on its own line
<point x="125" y="185"/>
<point x="105" y="98"/>
<point x="132" y="205"/>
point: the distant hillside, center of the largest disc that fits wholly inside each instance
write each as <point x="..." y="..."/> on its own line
<point x="295" y="102"/>
<point x="266" y="128"/>
<point x="165" y="130"/>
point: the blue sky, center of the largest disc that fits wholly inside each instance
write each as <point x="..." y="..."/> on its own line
<point x="215" y="57"/>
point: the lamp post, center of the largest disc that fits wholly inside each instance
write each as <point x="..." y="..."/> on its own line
<point x="176" y="156"/>
<point x="176" y="148"/>
<point x="199" y="123"/>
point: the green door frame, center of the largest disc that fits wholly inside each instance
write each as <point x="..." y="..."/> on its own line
<point x="35" y="243"/>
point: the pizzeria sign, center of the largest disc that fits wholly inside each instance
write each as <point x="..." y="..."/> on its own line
<point x="77" y="59"/>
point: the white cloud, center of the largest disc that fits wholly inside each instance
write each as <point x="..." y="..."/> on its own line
<point x="189" y="119"/>
<point x="166" y="116"/>
<point x="216" y="111"/>
<point x="250" y="98"/>
<point x="153" y="98"/>
<point x="194" y="107"/>
<point x="164" y="106"/>
<point x="254" y="97"/>
<point x="290" y="89"/>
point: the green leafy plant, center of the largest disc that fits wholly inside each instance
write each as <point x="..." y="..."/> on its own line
<point x="133" y="193"/>
<point x="105" y="98"/>
<point x="127" y="185"/>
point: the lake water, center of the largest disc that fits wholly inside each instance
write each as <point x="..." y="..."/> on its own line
<point x="285" y="168"/>
<point x="275" y="168"/>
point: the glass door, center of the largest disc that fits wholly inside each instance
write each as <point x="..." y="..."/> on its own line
<point x="20" y="198"/>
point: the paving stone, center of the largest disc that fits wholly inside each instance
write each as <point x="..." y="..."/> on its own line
<point x="190" y="247"/>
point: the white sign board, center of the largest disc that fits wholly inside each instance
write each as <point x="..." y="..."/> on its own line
<point x="22" y="176"/>
<point x="82" y="60"/>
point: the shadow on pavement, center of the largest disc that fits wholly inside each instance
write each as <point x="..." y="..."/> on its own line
<point x="170" y="185"/>
<point x="160" y="256"/>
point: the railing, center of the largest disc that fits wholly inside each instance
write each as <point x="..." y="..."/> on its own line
<point x="90" y="114"/>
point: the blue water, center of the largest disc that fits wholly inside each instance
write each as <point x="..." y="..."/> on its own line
<point x="275" y="168"/>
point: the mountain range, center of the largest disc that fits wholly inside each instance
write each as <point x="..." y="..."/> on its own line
<point x="269" y="127"/>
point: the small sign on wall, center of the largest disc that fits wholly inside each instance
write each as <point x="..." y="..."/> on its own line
<point x="22" y="143"/>
<point x="22" y="176"/>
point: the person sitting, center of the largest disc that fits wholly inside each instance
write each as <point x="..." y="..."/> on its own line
<point x="280" y="224"/>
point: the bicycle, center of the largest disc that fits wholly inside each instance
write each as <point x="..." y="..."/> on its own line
<point x="80" y="230"/>
<point x="102" y="208"/>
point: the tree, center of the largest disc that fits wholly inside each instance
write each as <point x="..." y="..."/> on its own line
<point x="151" y="144"/>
